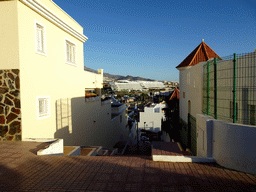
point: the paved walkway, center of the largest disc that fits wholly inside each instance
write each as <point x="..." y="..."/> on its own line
<point x="22" y="170"/>
<point x="168" y="148"/>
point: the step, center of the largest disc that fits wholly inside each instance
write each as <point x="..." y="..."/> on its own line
<point x="193" y="159"/>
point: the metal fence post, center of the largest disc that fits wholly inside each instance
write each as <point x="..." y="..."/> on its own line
<point x="208" y="87"/>
<point x="215" y="87"/>
<point x="234" y="89"/>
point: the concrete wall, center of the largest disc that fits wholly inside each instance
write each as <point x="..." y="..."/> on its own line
<point x="204" y="129"/>
<point x="133" y="134"/>
<point x="231" y="145"/>
<point x="55" y="148"/>
<point x="82" y="123"/>
<point x="191" y="87"/>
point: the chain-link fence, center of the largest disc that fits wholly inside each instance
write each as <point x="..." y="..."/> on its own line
<point x="229" y="88"/>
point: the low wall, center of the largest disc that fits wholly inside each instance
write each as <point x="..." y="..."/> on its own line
<point x="204" y="126"/>
<point x="54" y="148"/>
<point x="231" y="145"/>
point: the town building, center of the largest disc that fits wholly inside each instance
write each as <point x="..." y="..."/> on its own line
<point x="44" y="90"/>
<point x="151" y="117"/>
<point x="136" y="85"/>
<point x="217" y="107"/>
<point x="190" y="86"/>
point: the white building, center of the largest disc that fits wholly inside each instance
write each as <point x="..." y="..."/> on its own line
<point x="136" y="85"/>
<point x="150" y="119"/>
<point x="43" y="83"/>
<point x="191" y="80"/>
<point x="229" y="144"/>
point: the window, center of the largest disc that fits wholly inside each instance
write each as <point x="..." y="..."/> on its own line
<point x="70" y="52"/>
<point x="157" y="110"/>
<point x="40" y="39"/>
<point x="43" y="107"/>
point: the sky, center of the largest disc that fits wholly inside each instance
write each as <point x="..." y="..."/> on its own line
<point x="149" y="38"/>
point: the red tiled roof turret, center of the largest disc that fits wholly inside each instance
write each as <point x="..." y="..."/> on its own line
<point x="201" y="53"/>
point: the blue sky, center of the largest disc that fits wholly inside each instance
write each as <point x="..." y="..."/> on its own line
<point x="149" y="38"/>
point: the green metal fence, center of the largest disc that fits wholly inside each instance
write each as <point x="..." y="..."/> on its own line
<point x="192" y="141"/>
<point x="229" y="88"/>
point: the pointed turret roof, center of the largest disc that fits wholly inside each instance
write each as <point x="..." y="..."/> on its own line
<point x="201" y="53"/>
<point x="175" y="94"/>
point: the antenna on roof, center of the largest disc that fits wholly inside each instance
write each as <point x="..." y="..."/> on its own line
<point x="202" y="40"/>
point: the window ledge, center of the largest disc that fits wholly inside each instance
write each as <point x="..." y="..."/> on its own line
<point x="74" y="64"/>
<point x="41" y="53"/>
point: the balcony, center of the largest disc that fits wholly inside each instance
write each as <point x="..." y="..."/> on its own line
<point x="92" y="95"/>
<point x="117" y="109"/>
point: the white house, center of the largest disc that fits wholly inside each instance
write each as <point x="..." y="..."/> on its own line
<point x="151" y="118"/>
<point x="43" y="83"/>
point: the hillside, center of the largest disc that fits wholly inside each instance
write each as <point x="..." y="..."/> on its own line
<point x="109" y="77"/>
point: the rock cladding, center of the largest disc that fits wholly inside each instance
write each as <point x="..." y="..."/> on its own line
<point x="10" y="109"/>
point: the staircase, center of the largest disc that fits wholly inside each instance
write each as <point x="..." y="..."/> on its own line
<point x="172" y="152"/>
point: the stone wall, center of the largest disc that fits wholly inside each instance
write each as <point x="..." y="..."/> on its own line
<point x="10" y="110"/>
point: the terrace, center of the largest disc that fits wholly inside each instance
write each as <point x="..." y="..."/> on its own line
<point x="22" y="170"/>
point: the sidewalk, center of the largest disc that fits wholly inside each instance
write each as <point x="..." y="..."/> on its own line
<point x="168" y="148"/>
<point x="22" y="170"/>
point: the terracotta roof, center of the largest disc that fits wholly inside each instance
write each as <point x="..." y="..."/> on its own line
<point x="175" y="94"/>
<point x="201" y="53"/>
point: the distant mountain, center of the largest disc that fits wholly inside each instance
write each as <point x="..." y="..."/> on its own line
<point x="109" y="77"/>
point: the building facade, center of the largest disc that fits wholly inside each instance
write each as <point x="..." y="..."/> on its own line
<point x="42" y="79"/>
<point x="191" y="97"/>
<point x="151" y="118"/>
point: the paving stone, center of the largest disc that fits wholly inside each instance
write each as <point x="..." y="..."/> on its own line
<point x="118" y="173"/>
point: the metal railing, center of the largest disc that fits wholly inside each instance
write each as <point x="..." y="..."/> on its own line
<point x="229" y="88"/>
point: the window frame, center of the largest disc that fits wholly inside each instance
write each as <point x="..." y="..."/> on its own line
<point x="157" y="110"/>
<point x="74" y="47"/>
<point x="46" y="113"/>
<point x="43" y="40"/>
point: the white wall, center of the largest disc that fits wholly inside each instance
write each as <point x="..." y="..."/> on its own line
<point x="233" y="145"/>
<point x="204" y="128"/>
<point x="9" y="49"/>
<point x="133" y="134"/>
<point x="82" y="123"/>
<point x="191" y="83"/>
<point x="152" y="119"/>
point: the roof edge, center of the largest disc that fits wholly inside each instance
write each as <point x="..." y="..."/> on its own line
<point x="50" y="16"/>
